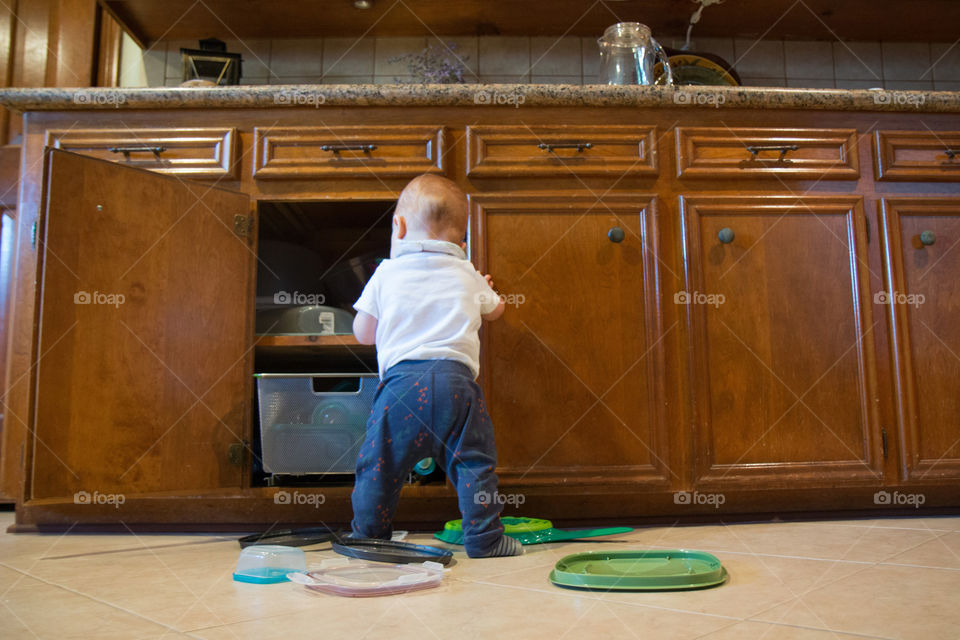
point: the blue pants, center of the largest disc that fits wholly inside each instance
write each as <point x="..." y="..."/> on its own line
<point x="429" y="409"/>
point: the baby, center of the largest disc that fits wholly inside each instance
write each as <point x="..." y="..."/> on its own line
<point x="423" y="308"/>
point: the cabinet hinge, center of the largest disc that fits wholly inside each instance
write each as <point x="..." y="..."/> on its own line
<point x="883" y="440"/>
<point x="242" y="225"/>
<point x="33" y="234"/>
<point x="235" y="453"/>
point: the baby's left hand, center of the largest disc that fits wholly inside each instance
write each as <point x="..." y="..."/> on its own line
<point x="489" y="279"/>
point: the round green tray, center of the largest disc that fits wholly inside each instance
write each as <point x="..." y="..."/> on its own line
<point x="656" y="570"/>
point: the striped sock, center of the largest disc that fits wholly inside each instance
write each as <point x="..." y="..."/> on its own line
<point x="507" y="546"/>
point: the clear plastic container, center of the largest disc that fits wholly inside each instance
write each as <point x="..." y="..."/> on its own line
<point x="313" y="423"/>
<point x="359" y="579"/>
<point x="268" y="563"/>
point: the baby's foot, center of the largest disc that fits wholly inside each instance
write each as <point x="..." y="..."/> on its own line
<point x="506" y="546"/>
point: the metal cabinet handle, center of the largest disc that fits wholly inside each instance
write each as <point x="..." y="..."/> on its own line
<point x="726" y="235"/>
<point x="927" y="238"/>
<point x="337" y="148"/>
<point x="579" y="146"/>
<point x="616" y="234"/>
<point x="782" y="148"/>
<point x="126" y="151"/>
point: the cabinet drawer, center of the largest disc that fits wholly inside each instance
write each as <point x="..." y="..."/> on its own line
<point x="918" y="155"/>
<point x="519" y="150"/>
<point x="347" y="152"/>
<point x="721" y="152"/>
<point x="193" y="153"/>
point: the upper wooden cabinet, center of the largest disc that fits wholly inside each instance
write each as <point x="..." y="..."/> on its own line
<point x="560" y="151"/>
<point x="574" y="368"/>
<point x="396" y="151"/>
<point x="921" y="263"/>
<point x="917" y="155"/>
<point x="725" y="152"/>
<point x="778" y="308"/>
<point x="208" y="153"/>
<point x="144" y="382"/>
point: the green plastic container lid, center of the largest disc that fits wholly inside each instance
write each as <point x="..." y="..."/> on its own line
<point x="655" y="570"/>
<point x="511" y="524"/>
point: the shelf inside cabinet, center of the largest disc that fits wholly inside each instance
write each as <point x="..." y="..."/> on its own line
<point x="337" y="340"/>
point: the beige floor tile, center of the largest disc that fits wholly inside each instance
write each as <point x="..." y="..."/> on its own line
<point x="754" y="585"/>
<point x="885" y="601"/>
<point x="935" y="523"/>
<point x="33" y="609"/>
<point x="794" y="580"/>
<point x="825" y="540"/>
<point x="190" y="586"/>
<point x="943" y="551"/>
<point x="763" y="631"/>
<point x="474" y="610"/>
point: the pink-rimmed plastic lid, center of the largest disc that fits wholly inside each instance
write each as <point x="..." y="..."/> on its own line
<point x="358" y="579"/>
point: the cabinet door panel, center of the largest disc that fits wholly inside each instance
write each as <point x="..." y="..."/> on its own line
<point x="778" y="307"/>
<point x="922" y="262"/>
<point x="573" y="368"/>
<point x="144" y="358"/>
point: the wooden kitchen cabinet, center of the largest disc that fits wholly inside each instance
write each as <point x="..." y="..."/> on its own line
<point x="575" y="366"/>
<point x="616" y="379"/>
<point x="780" y="311"/>
<point x="921" y="301"/>
<point x="139" y="273"/>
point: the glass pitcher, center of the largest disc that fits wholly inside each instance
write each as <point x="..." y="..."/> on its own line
<point x="628" y="54"/>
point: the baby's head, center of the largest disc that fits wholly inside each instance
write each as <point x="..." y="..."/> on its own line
<point x="431" y="207"/>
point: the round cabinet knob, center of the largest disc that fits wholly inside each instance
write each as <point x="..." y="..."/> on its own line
<point x="616" y="234"/>
<point x="927" y="238"/>
<point x="726" y="235"/>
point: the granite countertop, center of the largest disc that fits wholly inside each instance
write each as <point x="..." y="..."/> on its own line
<point x="493" y="95"/>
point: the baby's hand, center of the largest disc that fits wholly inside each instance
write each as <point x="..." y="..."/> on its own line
<point x="489" y="279"/>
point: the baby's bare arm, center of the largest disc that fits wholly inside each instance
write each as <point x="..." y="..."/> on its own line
<point x="496" y="313"/>
<point x="365" y="328"/>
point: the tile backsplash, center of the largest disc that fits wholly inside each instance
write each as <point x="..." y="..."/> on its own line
<point x="568" y="60"/>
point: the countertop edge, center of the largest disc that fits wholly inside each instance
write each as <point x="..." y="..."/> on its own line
<point x="484" y="95"/>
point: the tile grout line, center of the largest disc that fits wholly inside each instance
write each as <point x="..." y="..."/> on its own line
<point x="818" y="587"/>
<point x="91" y="597"/>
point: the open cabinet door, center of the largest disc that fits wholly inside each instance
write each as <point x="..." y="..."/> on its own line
<point x="144" y="356"/>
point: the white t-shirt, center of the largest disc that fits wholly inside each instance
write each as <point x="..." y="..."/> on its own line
<point x="427" y="299"/>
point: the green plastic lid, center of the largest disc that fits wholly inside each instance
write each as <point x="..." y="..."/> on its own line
<point x="655" y="570"/>
<point x="512" y="526"/>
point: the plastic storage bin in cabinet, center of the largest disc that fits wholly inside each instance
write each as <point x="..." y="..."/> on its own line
<point x="313" y="423"/>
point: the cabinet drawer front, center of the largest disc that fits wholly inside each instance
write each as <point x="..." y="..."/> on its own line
<point x="721" y="152"/>
<point x="347" y="152"/>
<point x="918" y="155"/>
<point x="193" y="153"/>
<point x="519" y="151"/>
